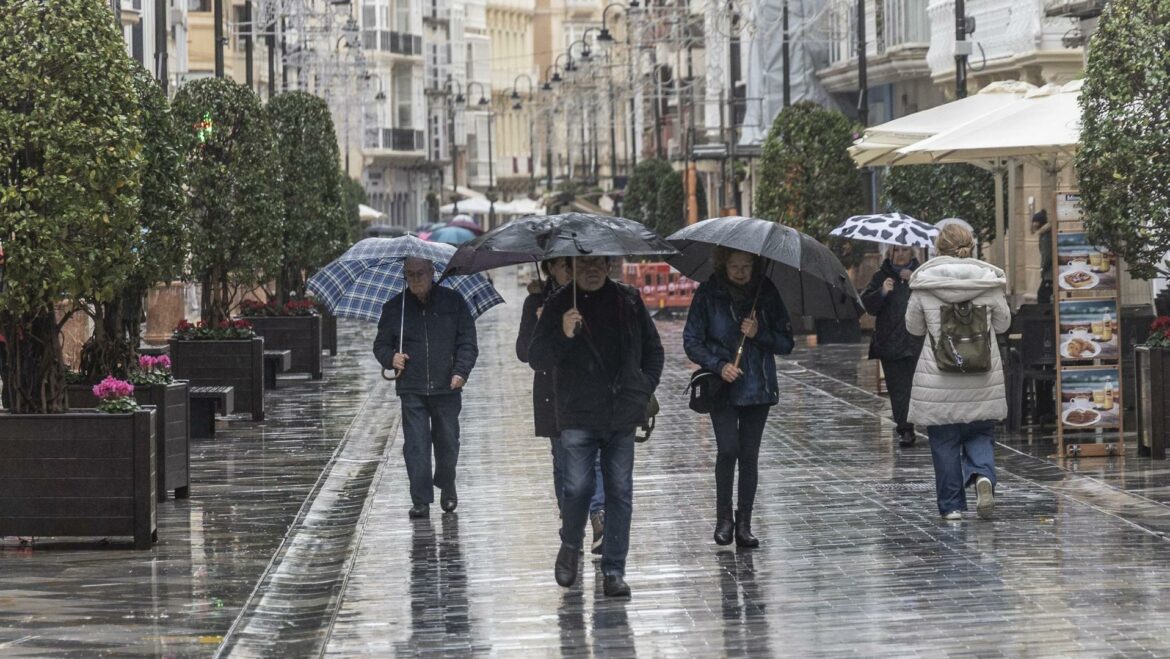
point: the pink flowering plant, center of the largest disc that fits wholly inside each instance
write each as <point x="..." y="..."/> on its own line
<point x="115" y="396"/>
<point x="152" y="370"/>
<point x="1159" y="333"/>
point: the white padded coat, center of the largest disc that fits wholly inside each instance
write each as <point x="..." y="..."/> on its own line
<point x="939" y="398"/>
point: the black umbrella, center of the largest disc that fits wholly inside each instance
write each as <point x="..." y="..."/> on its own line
<point x="537" y="238"/>
<point x="810" y="278"/>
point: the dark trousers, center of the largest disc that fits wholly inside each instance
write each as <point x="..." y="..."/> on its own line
<point x="430" y="423"/>
<point x="579" y="449"/>
<point x="899" y="382"/>
<point x="738" y="431"/>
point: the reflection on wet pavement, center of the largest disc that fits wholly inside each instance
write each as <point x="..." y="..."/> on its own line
<point x="296" y="541"/>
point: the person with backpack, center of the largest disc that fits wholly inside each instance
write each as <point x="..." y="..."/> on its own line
<point x="959" y="304"/>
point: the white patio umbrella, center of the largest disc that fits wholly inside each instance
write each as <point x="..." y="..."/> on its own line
<point x="474" y="205"/>
<point x="369" y="214"/>
<point x="879" y="145"/>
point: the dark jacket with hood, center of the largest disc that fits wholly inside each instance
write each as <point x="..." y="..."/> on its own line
<point x="712" y="337"/>
<point x="606" y="387"/>
<point x="439" y="337"/>
<point x="544" y="406"/>
<point x="890" y="339"/>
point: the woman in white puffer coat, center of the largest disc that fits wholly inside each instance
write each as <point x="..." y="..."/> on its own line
<point x="959" y="410"/>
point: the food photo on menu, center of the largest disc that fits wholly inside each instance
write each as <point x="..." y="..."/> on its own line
<point x="1088" y="330"/>
<point x="1084" y="267"/>
<point x="1090" y="398"/>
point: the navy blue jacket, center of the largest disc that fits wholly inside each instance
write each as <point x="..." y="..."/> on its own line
<point x="712" y="336"/>
<point x="439" y="337"/>
<point x="586" y="397"/>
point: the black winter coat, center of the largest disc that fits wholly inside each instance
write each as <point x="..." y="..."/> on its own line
<point x="439" y="337"/>
<point x="890" y="339"/>
<point x="586" y="397"/>
<point x="544" y="406"/>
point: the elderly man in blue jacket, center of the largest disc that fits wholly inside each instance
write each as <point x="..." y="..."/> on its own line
<point x="433" y="358"/>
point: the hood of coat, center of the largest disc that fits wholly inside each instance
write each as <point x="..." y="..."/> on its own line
<point x="957" y="280"/>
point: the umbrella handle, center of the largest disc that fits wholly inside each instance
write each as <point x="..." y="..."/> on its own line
<point x="397" y="374"/>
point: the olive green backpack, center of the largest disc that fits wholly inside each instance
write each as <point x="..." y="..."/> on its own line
<point x="964" y="339"/>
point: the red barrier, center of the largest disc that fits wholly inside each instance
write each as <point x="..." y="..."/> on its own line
<point x="661" y="286"/>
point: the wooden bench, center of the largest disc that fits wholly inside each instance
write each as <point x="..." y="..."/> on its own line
<point x="204" y="402"/>
<point x="275" y="361"/>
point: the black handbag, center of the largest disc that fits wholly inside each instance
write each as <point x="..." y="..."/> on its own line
<point x="707" y="391"/>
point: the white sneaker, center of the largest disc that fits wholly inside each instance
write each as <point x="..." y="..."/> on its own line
<point x="985" y="504"/>
<point x="953" y="516"/>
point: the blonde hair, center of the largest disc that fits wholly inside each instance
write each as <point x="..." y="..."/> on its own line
<point x="955" y="240"/>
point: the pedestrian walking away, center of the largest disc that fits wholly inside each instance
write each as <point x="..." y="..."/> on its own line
<point x="736" y="326"/>
<point x="606" y="357"/>
<point x="959" y="409"/>
<point x="886" y="298"/>
<point x="427" y="336"/>
<point x="558" y="274"/>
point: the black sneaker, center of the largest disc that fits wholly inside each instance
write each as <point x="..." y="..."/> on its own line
<point x="616" y="586"/>
<point x="420" y="510"/>
<point x="449" y="499"/>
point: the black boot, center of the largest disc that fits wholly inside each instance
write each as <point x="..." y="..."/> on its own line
<point x="724" y="526"/>
<point x="743" y="529"/>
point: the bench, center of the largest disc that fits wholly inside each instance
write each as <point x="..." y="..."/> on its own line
<point x="275" y="361"/>
<point x="204" y="402"/>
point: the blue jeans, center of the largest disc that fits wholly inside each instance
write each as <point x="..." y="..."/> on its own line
<point x="430" y="423"/>
<point x="598" y="501"/>
<point x="617" y="465"/>
<point x="961" y="453"/>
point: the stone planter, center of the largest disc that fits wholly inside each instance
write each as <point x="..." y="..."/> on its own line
<point x="300" y="334"/>
<point x="78" y="474"/>
<point x="172" y="430"/>
<point x="1152" y="368"/>
<point x="329" y="334"/>
<point x="238" y="364"/>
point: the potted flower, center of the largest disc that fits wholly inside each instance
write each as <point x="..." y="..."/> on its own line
<point x="1152" y="363"/>
<point x="115" y="396"/>
<point x="294" y="326"/>
<point x="226" y="354"/>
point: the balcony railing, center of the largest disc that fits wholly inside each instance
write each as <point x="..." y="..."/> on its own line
<point x="899" y="23"/>
<point x="905" y="22"/>
<point x="399" y="43"/>
<point x="395" y="139"/>
<point x="436" y="10"/>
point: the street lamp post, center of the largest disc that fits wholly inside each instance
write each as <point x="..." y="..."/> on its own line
<point x="452" y="102"/>
<point x="517" y="105"/>
<point x="485" y="103"/>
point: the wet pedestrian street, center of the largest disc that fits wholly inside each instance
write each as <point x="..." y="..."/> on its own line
<point x="296" y="540"/>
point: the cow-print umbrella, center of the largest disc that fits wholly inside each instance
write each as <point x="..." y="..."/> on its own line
<point x="889" y="228"/>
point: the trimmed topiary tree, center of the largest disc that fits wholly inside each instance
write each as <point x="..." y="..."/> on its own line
<point x="641" y="199"/>
<point x="352" y="196"/>
<point x="233" y="178"/>
<point x="70" y="163"/>
<point x="161" y="240"/>
<point x="670" y="208"/>
<point x="314" y="228"/>
<point x="933" y="192"/>
<point x="1122" y="165"/>
<point x="806" y="179"/>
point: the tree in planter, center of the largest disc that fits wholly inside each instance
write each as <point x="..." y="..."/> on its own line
<point x="70" y="164"/>
<point x="806" y="179"/>
<point x="1122" y="165"/>
<point x="352" y="196"/>
<point x="670" y="207"/>
<point x="314" y="227"/>
<point x="933" y="192"/>
<point x="234" y="186"/>
<point x="641" y="201"/>
<point x="161" y="241"/>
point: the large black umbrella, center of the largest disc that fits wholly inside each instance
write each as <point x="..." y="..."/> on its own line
<point x="810" y="278"/>
<point x="537" y="238"/>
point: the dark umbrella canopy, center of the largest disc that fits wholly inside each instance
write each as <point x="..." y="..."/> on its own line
<point x="543" y="237"/>
<point x="810" y="278"/>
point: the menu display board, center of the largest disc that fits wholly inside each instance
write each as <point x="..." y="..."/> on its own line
<point x="1083" y="268"/>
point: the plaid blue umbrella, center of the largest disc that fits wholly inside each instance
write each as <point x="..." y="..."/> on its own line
<point x="359" y="282"/>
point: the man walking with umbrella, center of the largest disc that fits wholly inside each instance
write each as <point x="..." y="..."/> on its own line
<point x="604" y="351"/>
<point x="427" y="335"/>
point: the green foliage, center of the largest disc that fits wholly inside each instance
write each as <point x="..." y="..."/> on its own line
<point x="806" y="179"/>
<point x="641" y="200"/>
<point x="70" y="167"/>
<point x="1122" y="164"/>
<point x="352" y="195"/>
<point x="933" y="192"/>
<point x="224" y="330"/>
<point x="670" y="205"/>
<point x="235" y="187"/>
<point x="315" y="228"/>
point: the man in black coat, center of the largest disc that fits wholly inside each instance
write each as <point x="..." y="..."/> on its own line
<point x="433" y="357"/>
<point x="603" y="349"/>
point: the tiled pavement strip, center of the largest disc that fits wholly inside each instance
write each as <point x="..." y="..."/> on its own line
<point x="855" y="561"/>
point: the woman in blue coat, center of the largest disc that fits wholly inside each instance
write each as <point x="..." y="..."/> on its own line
<point x="721" y="315"/>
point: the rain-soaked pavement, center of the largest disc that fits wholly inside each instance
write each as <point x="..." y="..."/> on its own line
<point x="295" y="541"/>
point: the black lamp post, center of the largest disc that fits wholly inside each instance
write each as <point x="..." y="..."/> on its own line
<point x="486" y="104"/>
<point x="452" y="102"/>
<point x="517" y="105"/>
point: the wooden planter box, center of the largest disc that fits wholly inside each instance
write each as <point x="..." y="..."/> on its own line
<point x="1152" y="368"/>
<point x="78" y="474"/>
<point x="172" y="420"/>
<point x="329" y="334"/>
<point x="300" y="334"/>
<point x="238" y="364"/>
